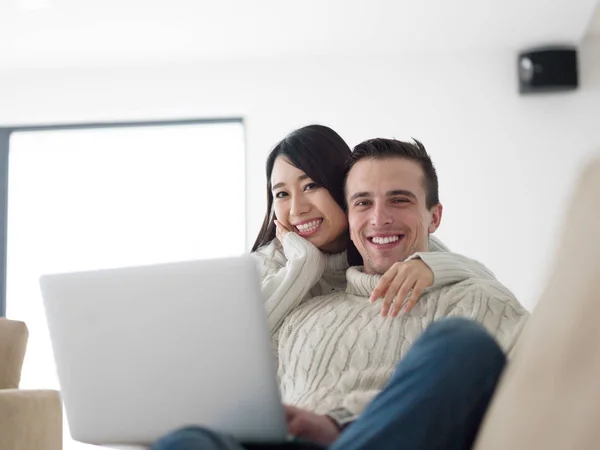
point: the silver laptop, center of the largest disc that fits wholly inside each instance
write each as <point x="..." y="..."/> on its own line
<point x="142" y="351"/>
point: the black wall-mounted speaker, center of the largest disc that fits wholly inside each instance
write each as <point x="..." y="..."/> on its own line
<point x="548" y="69"/>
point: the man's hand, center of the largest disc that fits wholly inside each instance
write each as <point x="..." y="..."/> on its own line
<point x="310" y="426"/>
<point x="401" y="279"/>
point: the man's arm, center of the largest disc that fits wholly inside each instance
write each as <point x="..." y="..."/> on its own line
<point x="490" y="304"/>
<point x="342" y="417"/>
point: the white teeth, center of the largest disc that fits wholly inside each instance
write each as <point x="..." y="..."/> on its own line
<point x="385" y="240"/>
<point x="309" y="226"/>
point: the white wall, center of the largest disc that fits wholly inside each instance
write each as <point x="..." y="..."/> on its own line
<point x="506" y="162"/>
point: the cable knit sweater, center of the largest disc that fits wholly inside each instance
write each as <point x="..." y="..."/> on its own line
<point x="296" y="270"/>
<point x="336" y="352"/>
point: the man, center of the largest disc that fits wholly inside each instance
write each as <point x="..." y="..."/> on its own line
<point x="337" y="353"/>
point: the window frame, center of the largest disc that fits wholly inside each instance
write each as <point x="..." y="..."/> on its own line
<point x="5" y="133"/>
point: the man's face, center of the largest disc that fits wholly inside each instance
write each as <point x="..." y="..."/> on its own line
<point x="389" y="219"/>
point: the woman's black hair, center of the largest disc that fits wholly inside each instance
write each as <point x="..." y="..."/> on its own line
<point x="320" y="153"/>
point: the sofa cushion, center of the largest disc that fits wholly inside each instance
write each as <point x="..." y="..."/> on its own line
<point x="13" y="342"/>
<point x="549" y="396"/>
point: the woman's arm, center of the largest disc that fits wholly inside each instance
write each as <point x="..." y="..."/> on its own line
<point x="288" y="272"/>
<point x="402" y="285"/>
<point x="448" y="267"/>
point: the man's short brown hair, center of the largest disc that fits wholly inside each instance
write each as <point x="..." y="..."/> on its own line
<point x="392" y="148"/>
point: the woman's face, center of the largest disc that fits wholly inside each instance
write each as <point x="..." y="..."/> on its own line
<point x="307" y="208"/>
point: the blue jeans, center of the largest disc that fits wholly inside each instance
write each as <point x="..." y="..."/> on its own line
<point x="436" y="399"/>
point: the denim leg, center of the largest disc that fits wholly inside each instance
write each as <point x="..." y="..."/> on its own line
<point x="196" y="438"/>
<point x="438" y="394"/>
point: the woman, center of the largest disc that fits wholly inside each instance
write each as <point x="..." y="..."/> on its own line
<point x="303" y="248"/>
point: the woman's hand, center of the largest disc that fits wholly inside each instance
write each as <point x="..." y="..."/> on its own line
<point x="403" y="278"/>
<point x="280" y="230"/>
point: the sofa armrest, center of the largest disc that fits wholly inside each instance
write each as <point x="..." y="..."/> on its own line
<point x="30" y="420"/>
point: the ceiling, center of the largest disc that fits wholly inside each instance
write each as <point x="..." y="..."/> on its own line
<point x="82" y="33"/>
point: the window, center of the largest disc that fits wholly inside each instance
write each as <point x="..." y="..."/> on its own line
<point x="91" y="198"/>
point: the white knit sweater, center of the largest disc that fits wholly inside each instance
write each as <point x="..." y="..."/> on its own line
<point x="336" y="352"/>
<point x="296" y="270"/>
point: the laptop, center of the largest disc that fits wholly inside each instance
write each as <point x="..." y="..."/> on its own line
<point x="142" y="351"/>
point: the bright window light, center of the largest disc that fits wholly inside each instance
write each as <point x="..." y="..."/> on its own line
<point x="86" y="199"/>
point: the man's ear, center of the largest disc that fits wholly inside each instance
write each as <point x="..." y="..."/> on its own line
<point x="435" y="214"/>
